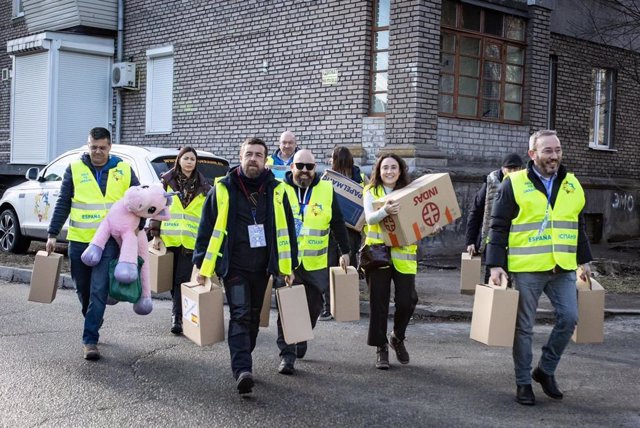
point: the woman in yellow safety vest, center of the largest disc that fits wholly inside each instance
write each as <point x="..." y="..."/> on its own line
<point x="389" y="173"/>
<point x="179" y="233"/>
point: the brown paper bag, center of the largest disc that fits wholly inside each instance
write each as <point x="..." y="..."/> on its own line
<point x="160" y="267"/>
<point x="470" y="273"/>
<point x="590" y="327"/>
<point x="294" y="314"/>
<point x="265" y="312"/>
<point x="202" y="313"/>
<point x="45" y="276"/>
<point x="345" y="293"/>
<point x="493" y="321"/>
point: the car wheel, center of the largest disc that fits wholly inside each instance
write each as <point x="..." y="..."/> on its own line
<point x="11" y="239"/>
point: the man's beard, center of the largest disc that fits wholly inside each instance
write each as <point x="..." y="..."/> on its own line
<point x="303" y="180"/>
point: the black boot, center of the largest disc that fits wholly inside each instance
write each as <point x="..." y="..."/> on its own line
<point x="548" y="383"/>
<point x="382" y="357"/>
<point x="176" y="324"/>
<point x="524" y="395"/>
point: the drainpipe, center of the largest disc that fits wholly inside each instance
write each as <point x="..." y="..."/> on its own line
<point x="119" y="56"/>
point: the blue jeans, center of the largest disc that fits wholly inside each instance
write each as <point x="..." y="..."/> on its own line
<point x="92" y="286"/>
<point x="245" y="294"/>
<point x="561" y="290"/>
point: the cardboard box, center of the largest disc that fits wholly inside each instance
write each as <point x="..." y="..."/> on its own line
<point x="345" y="293"/>
<point x="265" y="312"/>
<point x="493" y="321"/>
<point x="590" y="327"/>
<point x="160" y="268"/>
<point x="45" y="276"/>
<point x="425" y="202"/>
<point x="349" y="194"/>
<point x="470" y="273"/>
<point x="202" y="313"/>
<point x="294" y="314"/>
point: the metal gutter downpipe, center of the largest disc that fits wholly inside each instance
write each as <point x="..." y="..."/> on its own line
<point x="119" y="56"/>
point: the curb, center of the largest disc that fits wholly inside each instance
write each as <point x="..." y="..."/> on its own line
<point x="14" y="274"/>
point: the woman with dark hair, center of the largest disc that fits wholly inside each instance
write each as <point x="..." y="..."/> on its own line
<point x="342" y="163"/>
<point x="179" y="233"/>
<point x="389" y="173"/>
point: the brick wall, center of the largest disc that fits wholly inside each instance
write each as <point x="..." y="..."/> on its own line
<point x="576" y="59"/>
<point x="222" y="94"/>
<point x="9" y="29"/>
<point x="414" y="64"/>
<point x="537" y="68"/>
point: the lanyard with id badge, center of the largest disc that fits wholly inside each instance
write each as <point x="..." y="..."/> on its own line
<point x="257" y="237"/>
<point x="548" y="185"/>
<point x="302" y="202"/>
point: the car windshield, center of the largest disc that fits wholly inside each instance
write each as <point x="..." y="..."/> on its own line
<point x="209" y="167"/>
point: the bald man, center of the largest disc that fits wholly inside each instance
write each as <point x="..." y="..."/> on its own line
<point x="280" y="161"/>
<point x="316" y="213"/>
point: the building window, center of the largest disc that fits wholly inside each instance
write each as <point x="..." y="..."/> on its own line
<point x="18" y="9"/>
<point x="551" y="96"/>
<point x="380" y="57"/>
<point x="159" y="90"/>
<point x="603" y="84"/>
<point x="482" y="57"/>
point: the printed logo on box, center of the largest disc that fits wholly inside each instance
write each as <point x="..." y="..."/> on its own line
<point x="389" y="224"/>
<point x="190" y="311"/>
<point x="430" y="214"/>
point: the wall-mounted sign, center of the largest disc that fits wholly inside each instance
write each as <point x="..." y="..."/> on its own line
<point x="330" y="77"/>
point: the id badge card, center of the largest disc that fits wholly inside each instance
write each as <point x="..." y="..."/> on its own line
<point x="257" y="238"/>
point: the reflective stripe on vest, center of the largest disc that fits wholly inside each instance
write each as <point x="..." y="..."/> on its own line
<point x="313" y="241"/>
<point x="404" y="259"/>
<point x="220" y="231"/>
<point x="182" y="228"/>
<point x="532" y="249"/>
<point x="88" y="205"/>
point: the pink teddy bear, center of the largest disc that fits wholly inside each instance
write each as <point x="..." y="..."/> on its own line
<point x="122" y="223"/>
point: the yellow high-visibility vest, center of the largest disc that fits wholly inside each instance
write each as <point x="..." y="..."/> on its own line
<point x="182" y="228"/>
<point x="220" y="231"/>
<point x="404" y="258"/>
<point x="536" y="245"/>
<point x="313" y="236"/>
<point x="88" y="205"/>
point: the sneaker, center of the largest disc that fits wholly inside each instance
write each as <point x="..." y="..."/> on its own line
<point x="382" y="357"/>
<point x="286" y="366"/>
<point x="245" y="383"/>
<point x="325" y="316"/>
<point x="176" y="324"/>
<point x="301" y="349"/>
<point x="398" y="345"/>
<point x="91" y="352"/>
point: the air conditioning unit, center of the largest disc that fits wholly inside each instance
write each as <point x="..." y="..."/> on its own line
<point x="123" y="75"/>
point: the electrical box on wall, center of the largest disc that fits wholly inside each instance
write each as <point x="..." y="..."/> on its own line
<point x="123" y="75"/>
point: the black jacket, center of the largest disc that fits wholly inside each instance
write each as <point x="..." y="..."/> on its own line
<point x="210" y="214"/>
<point x="505" y="209"/>
<point x="476" y="215"/>
<point x="337" y="225"/>
<point x="63" y="204"/>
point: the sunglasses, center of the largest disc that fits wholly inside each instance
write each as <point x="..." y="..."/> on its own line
<point x="301" y="166"/>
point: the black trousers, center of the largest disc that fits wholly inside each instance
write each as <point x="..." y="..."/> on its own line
<point x="315" y="283"/>
<point x="245" y="293"/>
<point x="182" y="268"/>
<point x="406" y="298"/>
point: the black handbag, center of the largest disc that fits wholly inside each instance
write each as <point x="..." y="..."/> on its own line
<point x="374" y="257"/>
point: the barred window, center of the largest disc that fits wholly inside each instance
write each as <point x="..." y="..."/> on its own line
<point x="482" y="58"/>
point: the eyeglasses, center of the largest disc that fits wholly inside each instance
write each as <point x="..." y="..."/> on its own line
<point x="301" y="166"/>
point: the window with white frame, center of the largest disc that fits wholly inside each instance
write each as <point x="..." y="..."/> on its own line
<point x="159" y="90"/>
<point x="603" y="82"/>
<point x="18" y="9"/>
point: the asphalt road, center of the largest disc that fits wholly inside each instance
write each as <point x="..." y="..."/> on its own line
<point x="148" y="377"/>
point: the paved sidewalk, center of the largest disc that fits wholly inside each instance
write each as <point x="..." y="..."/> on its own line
<point x="437" y="284"/>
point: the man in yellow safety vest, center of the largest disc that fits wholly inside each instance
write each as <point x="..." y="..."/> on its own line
<point x="537" y="230"/>
<point x="89" y="187"/>
<point x="246" y="234"/>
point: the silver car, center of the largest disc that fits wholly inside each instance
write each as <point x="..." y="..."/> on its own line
<point x="26" y="209"/>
